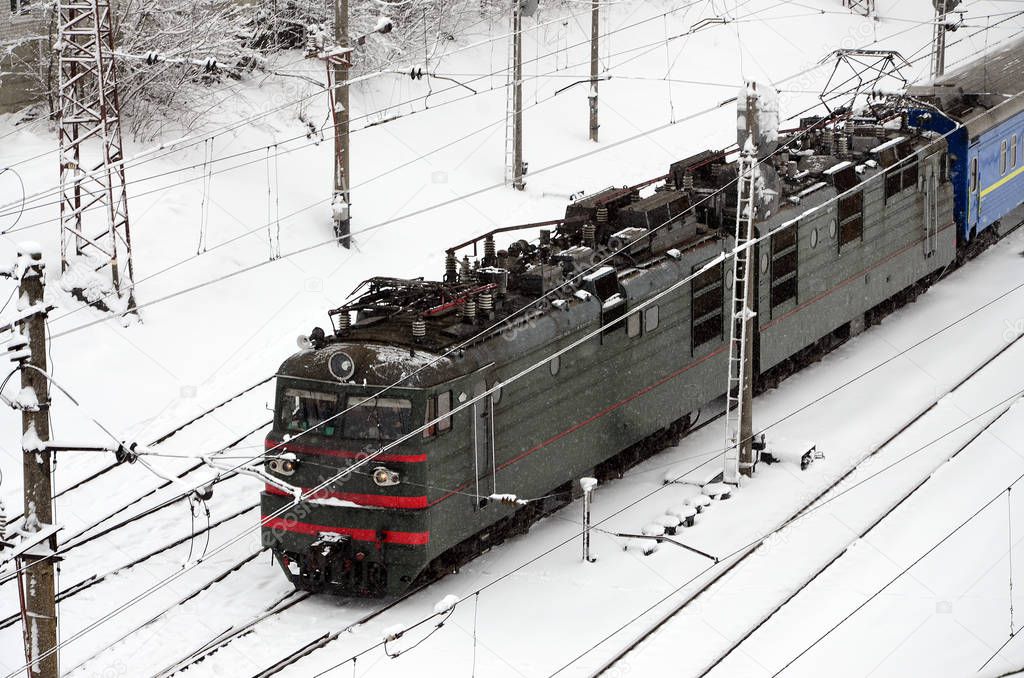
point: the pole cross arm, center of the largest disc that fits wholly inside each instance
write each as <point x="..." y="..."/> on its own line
<point x="24" y="314"/>
<point x="29" y="540"/>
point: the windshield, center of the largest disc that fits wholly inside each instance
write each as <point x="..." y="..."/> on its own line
<point x="377" y="418"/>
<point x="305" y="409"/>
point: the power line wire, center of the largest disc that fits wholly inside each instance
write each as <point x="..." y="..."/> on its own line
<point x="357" y="464"/>
<point x="892" y="581"/>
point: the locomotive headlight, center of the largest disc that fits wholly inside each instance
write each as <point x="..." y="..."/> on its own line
<point x="385" y="477"/>
<point x="284" y="465"/>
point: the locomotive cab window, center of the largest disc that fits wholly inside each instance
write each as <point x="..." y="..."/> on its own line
<point x="439" y="406"/>
<point x="901" y="171"/>
<point x="851" y="208"/>
<point x="303" y="410"/>
<point x="707" y="298"/>
<point x="604" y="284"/>
<point x="633" y="324"/>
<point x="974" y="174"/>
<point x="377" y="418"/>
<point x="651" y="319"/>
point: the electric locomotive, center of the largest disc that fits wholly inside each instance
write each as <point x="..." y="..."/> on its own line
<point x="870" y="202"/>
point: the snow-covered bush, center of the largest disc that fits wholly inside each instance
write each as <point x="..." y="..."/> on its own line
<point x="239" y="38"/>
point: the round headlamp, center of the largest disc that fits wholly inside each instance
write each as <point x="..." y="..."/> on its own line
<point x="384" y="476"/>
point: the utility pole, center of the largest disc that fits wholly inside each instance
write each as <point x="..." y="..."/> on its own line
<point x="739" y="455"/>
<point x="939" y="39"/>
<point x="38" y="591"/>
<point x="517" y="96"/>
<point x="593" y="68"/>
<point x="341" y="203"/>
<point x="338" y="59"/>
<point x="942" y="8"/>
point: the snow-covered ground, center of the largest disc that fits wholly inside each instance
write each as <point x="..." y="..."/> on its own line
<point x="411" y="176"/>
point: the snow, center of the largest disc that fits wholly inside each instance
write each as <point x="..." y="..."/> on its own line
<point x="582" y="295"/>
<point x="684" y="511"/>
<point x="667" y="520"/>
<point x="446" y="604"/>
<point x="838" y="167"/>
<point x="599" y="273"/>
<point x="698" y="501"/>
<point x="717" y="490"/>
<point x="30" y="441"/>
<point x="588" y="484"/>
<point x="30" y="248"/>
<point x="510" y="499"/>
<point x="23" y="313"/>
<point x="393" y="632"/>
<point x="811" y="189"/>
<point x="26" y="399"/>
<point x="653" y="530"/>
<point x="81" y="275"/>
<point x="892" y="143"/>
<point x="613" y="301"/>
<point x="196" y="349"/>
<point x="767" y="114"/>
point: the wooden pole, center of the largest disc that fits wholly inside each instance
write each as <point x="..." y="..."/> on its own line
<point x="342" y="198"/>
<point x="40" y="610"/>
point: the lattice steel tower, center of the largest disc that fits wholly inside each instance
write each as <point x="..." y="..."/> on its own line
<point x="95" y="240"/>
<point x="865" y="7"/>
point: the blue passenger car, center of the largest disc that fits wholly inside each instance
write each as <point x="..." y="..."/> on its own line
<point x="981" y="110"/>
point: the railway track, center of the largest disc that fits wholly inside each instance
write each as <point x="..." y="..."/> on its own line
<point x="748" y="551"/>
<point x="217" y="643"/>
<point x="861" y="535"/>
<point x="241" y="630"/>
<point x="79" y="538"/>
<point x="162" y="439"/>
<point x="289" y="601"/>
<point x="150" y="507"/>
<point x="220" y="577"/>
<point x="95" y="579"/>
<point x="321" y="641"/>
<point x="272" y="610"/>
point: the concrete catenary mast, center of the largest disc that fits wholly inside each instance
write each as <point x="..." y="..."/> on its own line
<point x="739" y="453"/>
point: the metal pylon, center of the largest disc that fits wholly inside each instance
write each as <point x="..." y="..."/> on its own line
<point x="95" y="237"/>
<point x="739" y="318"/>
<point x="510" y="103"/>
<point x="865" y="7"/>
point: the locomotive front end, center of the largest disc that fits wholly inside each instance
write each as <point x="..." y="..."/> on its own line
<point x="360" y="529"/>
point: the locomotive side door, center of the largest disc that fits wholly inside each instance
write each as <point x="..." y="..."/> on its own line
<point x="483" y="444"/>
<point x="931" y="205"/>
<point x="974" y="190"/>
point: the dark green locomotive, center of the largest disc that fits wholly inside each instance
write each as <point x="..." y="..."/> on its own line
<point x="869" y="213"/>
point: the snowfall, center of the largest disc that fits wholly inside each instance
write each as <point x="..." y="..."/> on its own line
<point x="912" y="565"/>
